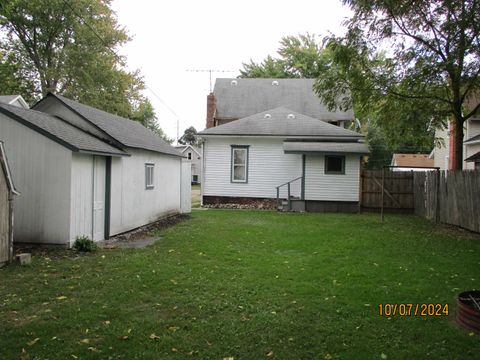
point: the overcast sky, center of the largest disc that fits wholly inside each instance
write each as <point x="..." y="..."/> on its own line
<point x="172" y="37"/>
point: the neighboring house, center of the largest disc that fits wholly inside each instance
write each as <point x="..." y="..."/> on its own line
<point x="83" y="171"/>
<point x="247" y="159"/>
<point x="193" y="154"/>
<point x="7" y="191"/>
<point x="412" y="162"/>
<point x="233" y="99"/>
<point x="443" y="154"/>
<point x="15" y="100"/>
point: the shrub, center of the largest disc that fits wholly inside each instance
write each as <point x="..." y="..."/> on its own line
<point x="84" y="244"/>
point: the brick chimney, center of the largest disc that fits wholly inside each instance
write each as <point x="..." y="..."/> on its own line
<point x="211" y="109"/>
<point x="451" y="145"/>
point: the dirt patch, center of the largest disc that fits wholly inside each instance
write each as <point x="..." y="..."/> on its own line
<point x="142" y="236"/>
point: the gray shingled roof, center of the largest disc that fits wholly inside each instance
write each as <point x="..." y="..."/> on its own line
<point x="325" y="147"/>
<point x="59" y="131"/>
<point x="281" y="122"/>
<point x="6" y="99"/>
<point x="239" y="98"/>
<point x="128" y="132"/>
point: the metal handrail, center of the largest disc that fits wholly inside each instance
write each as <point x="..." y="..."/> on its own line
<point x="288" y="192"/>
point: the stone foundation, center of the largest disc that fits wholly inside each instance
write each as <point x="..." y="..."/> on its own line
<point x="230" y="202"/>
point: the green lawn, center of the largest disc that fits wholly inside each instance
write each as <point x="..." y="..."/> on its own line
<point x="248" y="285"/>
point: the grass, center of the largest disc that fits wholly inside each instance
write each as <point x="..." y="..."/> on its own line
<point x="196" y="198"/>
<point x="248" y="285"/>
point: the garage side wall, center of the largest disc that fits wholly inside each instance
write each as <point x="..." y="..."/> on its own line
<point x="132" y="204"/>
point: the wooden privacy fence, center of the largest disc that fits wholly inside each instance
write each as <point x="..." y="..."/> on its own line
<point x="451" y="197"/>
<point x="398" y="193"/>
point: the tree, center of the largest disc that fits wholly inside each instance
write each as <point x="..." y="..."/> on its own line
<point x="12" y="78"/>
<point x="433" y="55"/>
<point x="68" y="47"/>
<point x="189" y="137"/>
<point x="300" y="57"/>
<point x="145" y="114"/>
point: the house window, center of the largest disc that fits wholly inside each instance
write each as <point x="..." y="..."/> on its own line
<point x="149" y="176"/>
<point x="334" y="164"/>
<point x="195" y="179"/>
<point x="239" y="164"/>
<point x="189" y="156"/>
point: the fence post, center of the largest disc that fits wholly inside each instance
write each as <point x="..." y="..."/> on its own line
<point x="437" y="197"/>
<point x="289" y="201"/>
<point x="278" y="196"/>
<point x="383" y="194"/>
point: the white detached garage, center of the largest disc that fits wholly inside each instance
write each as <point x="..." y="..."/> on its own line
<point x="83" y="171"/>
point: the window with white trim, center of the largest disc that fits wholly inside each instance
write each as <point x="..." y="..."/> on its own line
<point x="149" y="176"/>
<point x="239" y="170"/>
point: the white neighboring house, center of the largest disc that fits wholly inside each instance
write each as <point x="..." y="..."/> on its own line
<point x="193" y="154"/>
<point x="15" y="100"/>
<point x="247" y="159"/>
<point x="85" y="172"/>
<point x="443" y="154"/>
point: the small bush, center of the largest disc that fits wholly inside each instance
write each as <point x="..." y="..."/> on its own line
<point x="84" y="244"/>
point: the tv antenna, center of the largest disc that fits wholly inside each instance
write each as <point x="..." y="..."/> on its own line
<point x="210" y="71"/>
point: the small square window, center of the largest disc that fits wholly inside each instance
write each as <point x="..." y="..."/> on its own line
<point x="334" y="164"/>
<point x="149" y="179"/>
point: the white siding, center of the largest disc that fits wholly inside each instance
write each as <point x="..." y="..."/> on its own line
<point x="131" y="204"/>
<point x="330" y="187"/>
<point x="473" y="129"/>
<point x="268" y="167"/>
<point x="41" y="169"/>
<point x="440" y="158"/>
<point x="186" y="190"/>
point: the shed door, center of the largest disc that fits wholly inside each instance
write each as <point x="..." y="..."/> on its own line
<point x="98" y="198"/>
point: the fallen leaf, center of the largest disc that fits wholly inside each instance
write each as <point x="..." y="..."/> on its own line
<point x="85" y="341"/>
<point x="270" y="354"/>
<point x="174" y="350"/>
<point x="74" y="356"/>
<point x="190" y="353"/>
<point x="92" y="349"/>
<point x="328" y="357"/>
<point x="33" y="342"/>
<point x="228" y="358"/>
<point x="383" y="356"/>
<point x="173" y="281"/>
<point x="173" y="328"/>
<point x="61" y="297"/>
<point x="122" y="337"/>
<point x="154" y="337"/>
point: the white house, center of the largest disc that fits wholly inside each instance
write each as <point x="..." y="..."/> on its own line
<point x="83" y="171"/>
<point x="247" y="160"/>
<point x="443" y="153"/>
<point x="194" y="155"/>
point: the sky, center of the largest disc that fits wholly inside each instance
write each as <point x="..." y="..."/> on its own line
<point x="171" y="40"/>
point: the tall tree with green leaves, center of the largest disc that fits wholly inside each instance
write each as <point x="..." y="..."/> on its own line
<point x="299" y="57"/>
<point x="68" y="47"/>
<point x="189" y="137"/>
<point x="430" y="50"/>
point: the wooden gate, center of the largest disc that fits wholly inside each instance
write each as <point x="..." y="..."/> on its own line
<point x="398" y="195"/>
